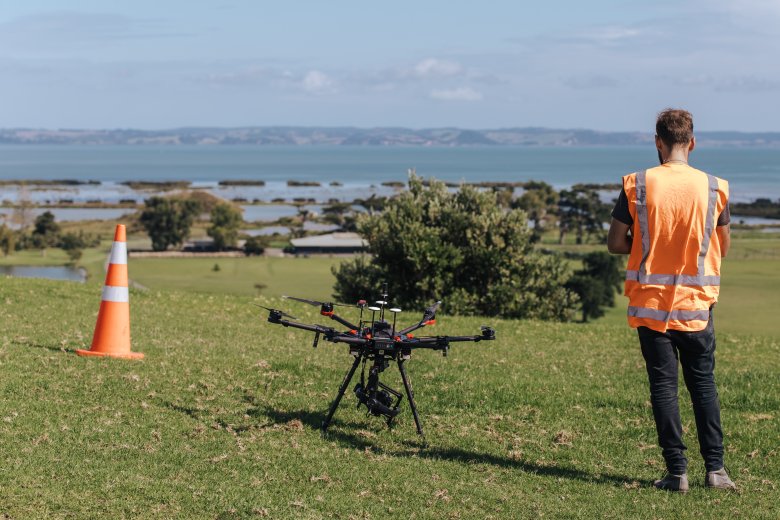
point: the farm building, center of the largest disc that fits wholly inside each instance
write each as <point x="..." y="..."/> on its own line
<point x="333" y="243"/>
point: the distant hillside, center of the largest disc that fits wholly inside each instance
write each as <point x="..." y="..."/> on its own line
<point x="389" y="136"/>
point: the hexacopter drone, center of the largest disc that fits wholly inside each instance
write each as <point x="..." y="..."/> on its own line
<point x="377" y="341"/>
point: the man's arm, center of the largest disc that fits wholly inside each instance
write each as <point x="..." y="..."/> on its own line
<point x="618" y="240"/>
<point x="724" y="236"/>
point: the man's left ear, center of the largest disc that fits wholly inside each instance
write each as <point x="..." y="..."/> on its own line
<point x="692" y="145"/>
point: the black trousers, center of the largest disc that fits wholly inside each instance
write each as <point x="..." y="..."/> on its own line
<point x="696" y="354"/>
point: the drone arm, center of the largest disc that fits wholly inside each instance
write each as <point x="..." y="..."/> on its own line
<point x="454" y="339"/>
<point x="443" y="342"/>
<point x="416" y="326"/>
<point x="326" y="331"/>
<point x="407" y="330"/>
<point x="348" y="339"/>
<point x="339" y="319"/>
<point x="429" y="318"/>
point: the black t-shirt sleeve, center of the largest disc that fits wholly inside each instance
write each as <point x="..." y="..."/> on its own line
<point x="621" y="213"/>
<point x="725" y="216"/>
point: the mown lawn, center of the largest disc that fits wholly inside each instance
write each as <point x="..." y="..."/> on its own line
<point x="241" y="276"/>
<point x="220" y="419"/>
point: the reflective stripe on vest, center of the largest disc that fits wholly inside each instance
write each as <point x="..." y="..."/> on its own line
<point x="661" y="315"/>
<point x="699" y="279"/>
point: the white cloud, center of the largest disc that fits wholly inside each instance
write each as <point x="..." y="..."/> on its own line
<point x="431" y="68"/>
<point x="316" y="81"/>
<point x="457" y="94"/>
<point x="607" y="35"/>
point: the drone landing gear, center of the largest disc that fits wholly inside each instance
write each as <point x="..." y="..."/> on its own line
<point x="342" y="389"/>
<point x="410" y="395"/>
<point x="378" y="398"/>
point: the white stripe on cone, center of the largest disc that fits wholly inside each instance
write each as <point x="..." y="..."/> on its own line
<point x="115" y="294"/>
<point x="118" y="253"/>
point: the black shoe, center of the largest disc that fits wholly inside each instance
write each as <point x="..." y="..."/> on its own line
<point x="719" y="480"/>
<point x="676" y="483"/>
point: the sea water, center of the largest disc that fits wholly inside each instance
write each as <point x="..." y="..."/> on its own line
<point x="347" y="172"/>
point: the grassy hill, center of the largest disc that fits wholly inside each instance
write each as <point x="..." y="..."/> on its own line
<point x="220" y="419"/>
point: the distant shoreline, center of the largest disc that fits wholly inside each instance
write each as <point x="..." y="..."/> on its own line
<point x="370" y="137"/>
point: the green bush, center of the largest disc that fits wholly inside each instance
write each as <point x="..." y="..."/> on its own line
<point x="429" y="244"/>
<point x="255" y="246"/>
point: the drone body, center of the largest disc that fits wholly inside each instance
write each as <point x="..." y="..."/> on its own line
<point x="379" y="342"/>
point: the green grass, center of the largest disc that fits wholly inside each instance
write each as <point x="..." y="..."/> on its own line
<point x="295" y="276"/>
<point x="220" y="420"/>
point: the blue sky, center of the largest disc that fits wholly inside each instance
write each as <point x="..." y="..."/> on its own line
<point x="603" y="64"/>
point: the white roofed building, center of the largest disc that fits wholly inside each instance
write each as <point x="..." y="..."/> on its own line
<point x="332" y="243"/>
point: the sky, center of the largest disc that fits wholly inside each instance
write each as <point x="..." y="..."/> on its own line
<point x="607" y="65"/>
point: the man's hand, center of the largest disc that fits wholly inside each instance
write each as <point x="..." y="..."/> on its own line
<point x="618" y="240"/>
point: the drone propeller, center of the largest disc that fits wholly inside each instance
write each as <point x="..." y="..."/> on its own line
<point x="281" y="313"/>
<point x="315" y="302"/>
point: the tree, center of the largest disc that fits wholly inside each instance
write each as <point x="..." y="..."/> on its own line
<point x="373" y="204"/>
<point x="462" y="248"/>
<point x="167" y="221"/>
<point x="540" y="202"/>
<point x="226" y="219"/>
<point x="596" y="283"/>
<point x="582" y="212"/>
<point x="22" y="214"/>
<point x="74" y="243"/>
<point x="78" y="240"/>
<point x="255" y="245"/>
<point x="7" y="240"/>
<point x="46" y="232"/>
<point x="504" y="196"/>
<point x="340" y="214"/>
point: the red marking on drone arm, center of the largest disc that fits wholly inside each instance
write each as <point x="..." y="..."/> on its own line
<point x="430" y="322"/>
<point x="410" y="336"/>
<point x="327" y="313"/>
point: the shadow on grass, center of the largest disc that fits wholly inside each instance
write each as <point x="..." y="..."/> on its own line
<point x="420" y="449"/>
<point x="54" y="348"/>
<point x="341" y="432"/>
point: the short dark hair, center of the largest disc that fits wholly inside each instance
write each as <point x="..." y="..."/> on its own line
<point x="674" y="126"/>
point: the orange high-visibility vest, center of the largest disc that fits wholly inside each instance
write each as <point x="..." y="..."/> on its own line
<point x="673" y="272"/>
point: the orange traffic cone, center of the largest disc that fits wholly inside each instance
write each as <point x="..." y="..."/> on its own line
<point x="112" y="331"/>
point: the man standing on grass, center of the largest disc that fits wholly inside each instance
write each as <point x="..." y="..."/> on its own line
<point x="673" y="222"/>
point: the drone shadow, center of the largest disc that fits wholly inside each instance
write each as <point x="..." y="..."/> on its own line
<point x="420" y="449"/>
